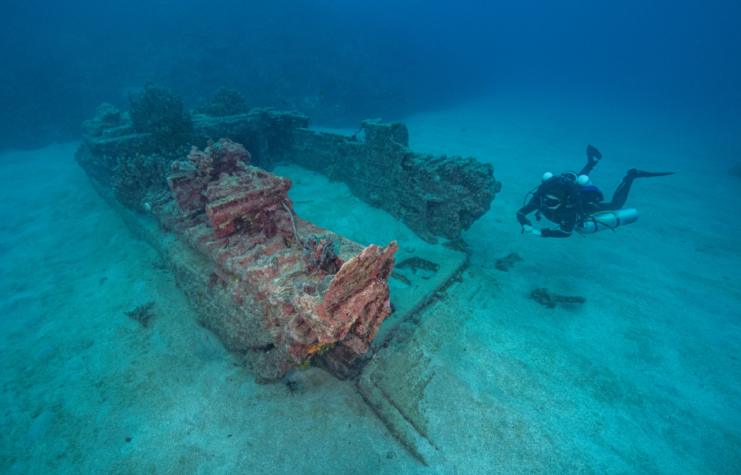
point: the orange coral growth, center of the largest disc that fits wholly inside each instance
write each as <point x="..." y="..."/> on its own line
<point x="315" y="348"/>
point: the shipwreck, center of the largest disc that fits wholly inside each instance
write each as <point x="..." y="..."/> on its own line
<point x="269" y="284"/>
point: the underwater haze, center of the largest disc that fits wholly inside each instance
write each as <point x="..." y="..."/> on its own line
<point x="341" y="62"/>
<point x="617" y="352"/>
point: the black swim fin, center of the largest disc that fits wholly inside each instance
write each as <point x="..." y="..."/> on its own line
<point x="642" y="174"/>
<point x="593" y="153"/>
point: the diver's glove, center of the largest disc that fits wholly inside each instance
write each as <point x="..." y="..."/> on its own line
<point x="531" y="230"/>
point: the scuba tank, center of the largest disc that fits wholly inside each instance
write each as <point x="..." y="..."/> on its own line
<point x="608" y="220"/>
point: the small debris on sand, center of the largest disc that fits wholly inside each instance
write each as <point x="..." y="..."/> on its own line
<point x="506" y="263"/>
<point x="142" y="314"/>
<point x="549" y="299"/>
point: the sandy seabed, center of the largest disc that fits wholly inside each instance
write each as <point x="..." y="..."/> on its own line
<point x="85" y="389"/>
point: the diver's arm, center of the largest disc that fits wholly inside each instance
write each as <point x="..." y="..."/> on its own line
<point x="566" y="229"/>
<point x="527" y="229"/>
<point x="524" y="211"/>
<point x="555" y="233"/>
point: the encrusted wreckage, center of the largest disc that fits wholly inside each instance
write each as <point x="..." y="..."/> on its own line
<point x="268" y="283"/>
<point x="262" y="292"/>
<point x="435" y="196"/>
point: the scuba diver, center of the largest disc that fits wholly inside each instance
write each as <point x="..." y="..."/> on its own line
<point x="575" y="204"/>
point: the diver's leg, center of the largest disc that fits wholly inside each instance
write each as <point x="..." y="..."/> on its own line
<point x="621" y="194"/>
<point x="593" y="157"/>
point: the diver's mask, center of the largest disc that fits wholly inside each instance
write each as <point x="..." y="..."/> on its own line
<point x="550" y="201"/>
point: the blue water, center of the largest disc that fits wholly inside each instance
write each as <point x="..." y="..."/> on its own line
<point x="644" y="378"/>
<point x="345" y="61"/>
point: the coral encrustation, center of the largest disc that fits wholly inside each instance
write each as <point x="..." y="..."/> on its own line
<point x="271" y="295"/>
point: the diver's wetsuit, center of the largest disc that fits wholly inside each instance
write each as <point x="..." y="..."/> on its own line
<point x="566" y="218"/>
<point x="573" y="205"/>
